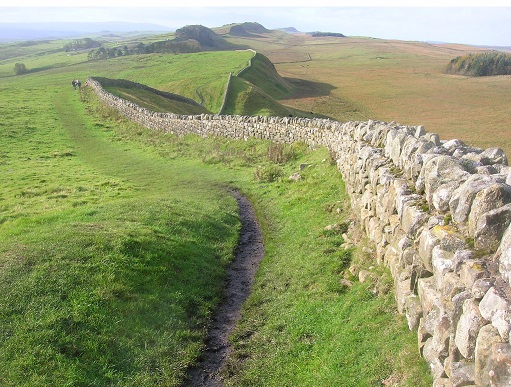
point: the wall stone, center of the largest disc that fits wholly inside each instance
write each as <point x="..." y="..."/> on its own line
<point x="438" y="213"/>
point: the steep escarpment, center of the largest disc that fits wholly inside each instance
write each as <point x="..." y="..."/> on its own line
<point x="262" y="73"/>
<point x="205" y="37"/>
<point x="247" y="29"/>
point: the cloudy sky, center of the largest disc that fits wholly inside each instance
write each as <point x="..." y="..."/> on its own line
<point x="452" y="21"/>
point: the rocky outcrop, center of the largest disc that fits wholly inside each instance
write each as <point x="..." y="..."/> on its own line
<point x="438" y="213"/>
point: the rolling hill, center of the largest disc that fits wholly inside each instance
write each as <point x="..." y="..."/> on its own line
<point x="247" y="29"/>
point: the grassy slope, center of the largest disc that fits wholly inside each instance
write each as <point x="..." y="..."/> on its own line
<point x="104" y="246"/>
<point x="301" y="326"/>
<point x="106" y="232"/>
<point x="257" y="89"/>
<point x="174" y="73"/>
<point x="179" y="74"/>
<point x="154" y="102"/>
<point x="263" y="74"/>
<point x="245" y="98"/>
<point x="252" y="93"/>
<point x="393" y="81"/>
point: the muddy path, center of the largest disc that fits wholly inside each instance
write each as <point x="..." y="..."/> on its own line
<point x="240" y="275"/>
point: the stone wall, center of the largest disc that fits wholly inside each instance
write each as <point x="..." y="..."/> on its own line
<point x="226" y="91"/>
<point x="254" y="52"/>
<point x="438" y="213"/>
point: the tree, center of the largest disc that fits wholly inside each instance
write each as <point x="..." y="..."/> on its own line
<point x="20" y="68"/>
<point x="81" y="44"/>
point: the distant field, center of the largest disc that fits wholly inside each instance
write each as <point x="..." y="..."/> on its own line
<point x="363" y="78"/>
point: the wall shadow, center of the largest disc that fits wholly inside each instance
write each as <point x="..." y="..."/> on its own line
<point x="304" y="88"/>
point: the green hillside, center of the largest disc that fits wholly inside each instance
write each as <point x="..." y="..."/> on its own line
<point x="150" y="98"/>
<point x="246" y="98"/>
<point x="254" y="92"/>
<point x="114" y="239"/>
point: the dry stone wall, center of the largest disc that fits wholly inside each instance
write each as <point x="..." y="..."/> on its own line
<point x="438" y="213"/>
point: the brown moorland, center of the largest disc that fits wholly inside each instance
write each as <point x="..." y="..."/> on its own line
<point x="359" y="78"/>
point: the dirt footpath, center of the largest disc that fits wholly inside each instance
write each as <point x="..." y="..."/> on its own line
<point x="240" y="274"/>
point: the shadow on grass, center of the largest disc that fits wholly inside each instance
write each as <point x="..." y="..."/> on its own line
<point x="306" y="89"/>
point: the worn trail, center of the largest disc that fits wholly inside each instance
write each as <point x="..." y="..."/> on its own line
<point x="240" y="274"/>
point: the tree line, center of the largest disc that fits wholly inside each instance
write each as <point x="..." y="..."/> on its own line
<point x="81" y="44"/>
<point x="188" y="39"/>
<point x="164" y="47"/>
<point x="481" y="64"/>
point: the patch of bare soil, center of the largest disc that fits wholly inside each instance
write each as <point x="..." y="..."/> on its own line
<point x="240" y="275"/>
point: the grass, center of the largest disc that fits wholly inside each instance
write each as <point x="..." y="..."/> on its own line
<point x="155" y="103"/>
<point x="263" y="74"/>
<point x="245" y="98"/>
<point x="110" y="296"/>
<point x="108" y="229"/>
<point x="183" y="74"/>
<point x="301" y="326"/>
<point x="104" y="246"/>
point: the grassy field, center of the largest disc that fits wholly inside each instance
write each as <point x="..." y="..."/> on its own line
<point x="302" y="325"/>
<point x="103" y="246"/>
<point x="364" y="78"/>
<point x="107" y="231"/>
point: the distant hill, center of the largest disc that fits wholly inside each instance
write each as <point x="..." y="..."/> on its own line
<point x="205" y="37"/>
<point x="289" y="30"/>
<point x="188" y="39"/>
<point x="247" y="29"/>
<point x="10" y="32"/>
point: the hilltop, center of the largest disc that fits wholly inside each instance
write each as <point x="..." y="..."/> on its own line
<point x="289" y="30"/>
<point x="247" y="29"/>
<point x="205" y="37"/>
